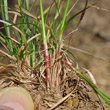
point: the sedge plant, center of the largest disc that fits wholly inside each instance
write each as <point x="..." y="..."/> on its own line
<point x="35" y="40"/>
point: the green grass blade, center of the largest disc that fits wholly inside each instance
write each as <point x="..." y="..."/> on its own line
<point x="31" y="45"/>
<point x="72" y="56"/>
<point x="19" y="2"/>
<point x="1" y="38"/>
<point x="108" y="98"/>
<point x="2" y="9"/>
<point x="6" y="18"/>
<point x="52" y="37"/>
<point x="27" y="5"/>
<point x="84" y="77"/>
<point x="72" y="17"/>
<point x="32" y="5"/>
<point x="63" y="21"/>
<point x="59" y="1"/>
<point x="38" y="63"/>
<point x="45" y="45"/>
<point x="105" y="97"/>
<point x="72" y="7"/>
<point x="43" y="24"/>
<point x="48" y="12"/>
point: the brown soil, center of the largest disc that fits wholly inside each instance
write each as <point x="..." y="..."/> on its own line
<point x="93" y="37"/>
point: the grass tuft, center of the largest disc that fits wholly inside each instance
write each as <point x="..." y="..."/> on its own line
<point x="37" y="41"/>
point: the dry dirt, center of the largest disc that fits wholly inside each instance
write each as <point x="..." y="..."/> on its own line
<point x="93" y="37"/>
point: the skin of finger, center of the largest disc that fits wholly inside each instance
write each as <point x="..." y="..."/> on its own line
<point x="18" y="95"/>
<point x="2" y="107"/>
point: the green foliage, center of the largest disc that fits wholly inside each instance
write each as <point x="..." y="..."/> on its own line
<point x="63" y="20"/>
<point x="4" y="9"/>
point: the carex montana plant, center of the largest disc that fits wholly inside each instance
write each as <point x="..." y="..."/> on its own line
<point x="36" y="40"/>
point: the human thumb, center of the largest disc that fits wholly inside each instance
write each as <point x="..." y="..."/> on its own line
<point x="15" y="98"/>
